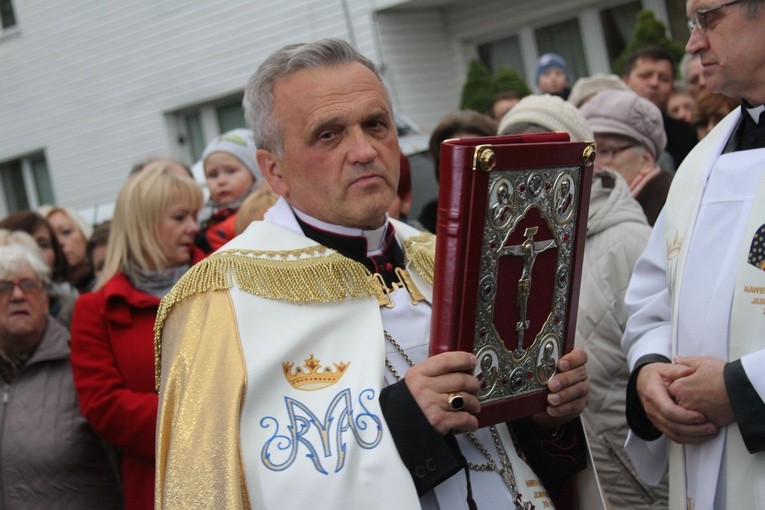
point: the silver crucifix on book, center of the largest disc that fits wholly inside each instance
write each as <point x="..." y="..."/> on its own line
<point x="529" y="251"/>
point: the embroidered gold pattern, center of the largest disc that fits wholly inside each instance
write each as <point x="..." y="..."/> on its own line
<point x="315" y="274"/>
<point x="674" y="247"/>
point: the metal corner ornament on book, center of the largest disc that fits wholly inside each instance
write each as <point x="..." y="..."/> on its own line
<point x="510" y="237"/>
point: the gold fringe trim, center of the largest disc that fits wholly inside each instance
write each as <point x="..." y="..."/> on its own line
<point x="310" y="275"/>
<point x="420" y="252"/>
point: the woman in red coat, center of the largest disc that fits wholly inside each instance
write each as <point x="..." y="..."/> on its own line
<point x="151" y="245"/>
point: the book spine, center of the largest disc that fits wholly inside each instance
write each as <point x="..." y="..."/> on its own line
<point x="451" y="245"/>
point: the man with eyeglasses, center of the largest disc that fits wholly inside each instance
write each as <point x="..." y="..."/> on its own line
<point x="630" y="136"/>
<point x="696" y="334"/>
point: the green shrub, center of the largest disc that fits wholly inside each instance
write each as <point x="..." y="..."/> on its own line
<point x="481" y="87"/>
<point x="648" y="31"/>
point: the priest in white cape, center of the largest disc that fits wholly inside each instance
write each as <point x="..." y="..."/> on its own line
<point x="696" y="334"/>
<point x="294" y="368"/>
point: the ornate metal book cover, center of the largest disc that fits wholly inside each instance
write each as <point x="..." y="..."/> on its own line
<point x="512" y="215"/>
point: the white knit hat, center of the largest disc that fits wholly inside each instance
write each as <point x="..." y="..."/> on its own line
<point x="548" y="112"/>
<point x="588" y="86"/>
<point x="240" y="144"/>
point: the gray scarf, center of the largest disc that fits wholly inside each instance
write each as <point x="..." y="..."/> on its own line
<point x="156" y="283"/>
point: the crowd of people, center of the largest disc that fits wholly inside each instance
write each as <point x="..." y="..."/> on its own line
<point x="189" y="353"/>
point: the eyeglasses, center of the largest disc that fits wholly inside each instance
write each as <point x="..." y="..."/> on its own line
<point x="26" y="286"/>
<point x="606" y="154"/>
<point x="700" y="18"/>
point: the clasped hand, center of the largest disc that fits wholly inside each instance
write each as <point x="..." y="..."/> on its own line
<point x="687" y="401"/>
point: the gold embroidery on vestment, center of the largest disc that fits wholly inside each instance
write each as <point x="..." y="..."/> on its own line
<point x="674" y="247"/>
<point x="313" y="375"/>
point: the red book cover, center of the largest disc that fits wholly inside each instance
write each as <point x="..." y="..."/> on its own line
<point x="512" y="215"/>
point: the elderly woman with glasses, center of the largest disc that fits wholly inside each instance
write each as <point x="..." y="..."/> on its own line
<point x="629" y="131"/>
<point x="61" y="293"/>
<point x="50" y="454"/>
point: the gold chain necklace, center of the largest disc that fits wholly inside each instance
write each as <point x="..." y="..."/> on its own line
<point x="505" y="472"/>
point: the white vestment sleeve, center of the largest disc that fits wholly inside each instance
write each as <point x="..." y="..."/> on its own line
<point x="647" y="303"/>
<point x="648" y="331"/>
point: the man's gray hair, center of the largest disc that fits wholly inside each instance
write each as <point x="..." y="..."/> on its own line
<point x="258" y="99"/>
<point x="752" y="7"/>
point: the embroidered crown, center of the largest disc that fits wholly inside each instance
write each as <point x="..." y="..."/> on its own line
<point x="674" y="246"/>
<point x="313" y="376"/>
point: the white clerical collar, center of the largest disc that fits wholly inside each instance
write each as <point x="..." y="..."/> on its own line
<point x="375" y="238"/>
<point x="755" y="112"/>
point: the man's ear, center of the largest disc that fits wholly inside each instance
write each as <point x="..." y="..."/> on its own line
<point x="270" y="167"/>
<point x="406" y="204"/>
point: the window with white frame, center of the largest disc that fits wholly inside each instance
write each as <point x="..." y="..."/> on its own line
<point x="565" y="39"/>
<point x="25" y="183"/>
<point x="618" y="24"/>
<point x="504" y="53"/>
<point x="610" y="33"/>
<point x="678" y="21"/>
<point x="197" y="125"/>
<point x="7" y="15"/>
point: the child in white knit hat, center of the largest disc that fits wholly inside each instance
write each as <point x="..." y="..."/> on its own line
<point x="232" y="174"/>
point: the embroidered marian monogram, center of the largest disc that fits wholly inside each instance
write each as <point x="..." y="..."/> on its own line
<point x="320" y="440"/>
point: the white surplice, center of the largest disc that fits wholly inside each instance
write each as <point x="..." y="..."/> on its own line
<point x="703" y="293"/>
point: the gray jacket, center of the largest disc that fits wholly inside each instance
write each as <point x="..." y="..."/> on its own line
<point x="49" y="455"/>
<point x="617" y="233"/>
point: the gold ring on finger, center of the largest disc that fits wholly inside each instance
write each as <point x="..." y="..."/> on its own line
<point x="456" y="401"/>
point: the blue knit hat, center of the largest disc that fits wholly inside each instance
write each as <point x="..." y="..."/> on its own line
<point x="548" y="61"/>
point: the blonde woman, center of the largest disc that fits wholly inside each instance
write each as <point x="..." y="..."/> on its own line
<point x="72" y="233"/>
<point x="151" y="244"/>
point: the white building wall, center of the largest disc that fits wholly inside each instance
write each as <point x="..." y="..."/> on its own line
<point x="89" y="82"/>
<point x="420" y="68"/>
<point x="92" y="82"/>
